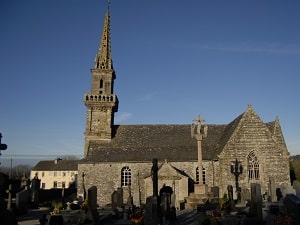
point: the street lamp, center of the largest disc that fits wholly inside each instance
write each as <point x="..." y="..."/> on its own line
<point x="236" y="169"/>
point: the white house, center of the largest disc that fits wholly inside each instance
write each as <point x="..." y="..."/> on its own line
<point x="56" y="173"/>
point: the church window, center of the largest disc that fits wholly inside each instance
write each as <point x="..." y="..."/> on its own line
<point x="126" y="176"/>
<point x="203" y="175"/>
<point x="253" y="166"/>
<point x="101" y="83"/>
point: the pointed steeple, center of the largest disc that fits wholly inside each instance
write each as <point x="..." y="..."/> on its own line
<point x="103" y="58"/>
<point x="101" y="102"/>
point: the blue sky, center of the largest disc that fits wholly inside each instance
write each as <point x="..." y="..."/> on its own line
<point x="173" y="59"/>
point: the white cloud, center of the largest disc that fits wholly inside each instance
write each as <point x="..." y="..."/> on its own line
<point x="148" y="96"/>
<point x="122" y="117"/>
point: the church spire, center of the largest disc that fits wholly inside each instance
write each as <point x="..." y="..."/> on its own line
<point x="103" y="58"/>
<point x="101" y="102"/>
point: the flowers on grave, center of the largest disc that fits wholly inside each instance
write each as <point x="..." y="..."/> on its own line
<point x="137" y="217"/>
<point x="84" y="205"/>
<point x="57" y="207"/>
<point x="224" y="203"/>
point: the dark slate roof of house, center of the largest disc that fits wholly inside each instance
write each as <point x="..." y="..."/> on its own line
<point x="56" y="165"/>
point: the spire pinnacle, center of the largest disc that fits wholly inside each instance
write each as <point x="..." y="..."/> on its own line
<point x="103" y="58"/>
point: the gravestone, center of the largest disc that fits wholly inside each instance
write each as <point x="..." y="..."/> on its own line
<point x="22" y="201"/>
<point x="152" y="208"/>
<point x="230" y="196"/>
<point x="117" y="198"/>
<point x="35" y="187"/>
<point x="297" y="188"/>
<point x="278" y="194"/>
<point x="272" y="189"/>
<point x="151" y="215"/>
<point x="292" y="205"/>
<point x="9" y="199"/>
<point x="245" y="195"/>
<point x="137" y="199"/>
<point x="216" y="191"/>
<point x="92" y="204"/>
<point x="230" y="192"/>
<point x="256" y="200"/>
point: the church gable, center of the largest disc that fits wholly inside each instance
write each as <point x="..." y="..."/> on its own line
<point x="167" y="171"/>
<point x="276" y="131"/>
<point x="247" y="133"/>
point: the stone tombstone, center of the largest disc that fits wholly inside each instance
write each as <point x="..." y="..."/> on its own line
<point x="117" y="198"/>
<point x="92" y="204"/>
<point x="292" y="206"/>
<point x="278" y="194"/>
<point x="173" y="199"/>
<point x="120" y="196"/>
<point x="230" y="192"/>
<point x="216" y="191"/>
<point x="148" y="211"/>
<point x="272" y="189"/>
<point x="22" y="201"/>
<point x="137" y="199"/>
<point x="114" y="200"/>
<point x="256" y="200"/>
<point x="245" y="195"/>
<point x="9" y="198"/>
<point x="151" y="215"/>
<point x="35" y="188"/>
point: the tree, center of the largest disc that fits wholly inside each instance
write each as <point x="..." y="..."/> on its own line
<point x="295" y="162"/>
<point x="17" y="172"/>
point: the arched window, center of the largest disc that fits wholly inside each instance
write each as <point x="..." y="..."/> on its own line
<point x="253" y="166"/>
<point x="203" y="175"/>
<point x="125" y="176"/>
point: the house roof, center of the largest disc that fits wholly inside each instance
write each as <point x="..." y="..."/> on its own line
<point x="56" y="165"/>
<point x="163" y="141"/>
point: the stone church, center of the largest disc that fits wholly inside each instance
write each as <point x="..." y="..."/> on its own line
<point x="119" y="157"/>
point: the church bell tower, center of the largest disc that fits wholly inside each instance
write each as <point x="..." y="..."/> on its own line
<point x="101" y="102"/>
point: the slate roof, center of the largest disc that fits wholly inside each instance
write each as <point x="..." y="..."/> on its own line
<point x="145" y="142"/>
<point x="134" y="143"/>
<point x="61" y="165"/>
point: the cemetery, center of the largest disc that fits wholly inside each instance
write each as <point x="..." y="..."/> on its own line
<point x="258" y="208"/>
<point x="280" y="205"/>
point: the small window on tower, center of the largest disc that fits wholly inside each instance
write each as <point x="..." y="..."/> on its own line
<point x="101" y="83"/>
